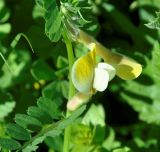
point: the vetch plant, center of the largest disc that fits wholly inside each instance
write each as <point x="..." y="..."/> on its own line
<point x="65" y="20"/>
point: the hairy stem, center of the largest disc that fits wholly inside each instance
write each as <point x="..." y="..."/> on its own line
<point x="67" y="132"/>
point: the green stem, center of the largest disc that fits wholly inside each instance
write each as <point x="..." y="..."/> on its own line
<point x="67" y="132"/>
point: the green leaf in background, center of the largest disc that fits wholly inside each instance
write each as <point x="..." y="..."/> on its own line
<point x="42" y="71"/>
<point x="125" y="149"/>
<point x="6" y="108"/>
<point x="155" y="24"/>
<point x="154" y="65"/>
<point x="4" y="30"/>
<point x="121" y="22"/>
<point x="142" y="3"/>
<point x="38" y="11"/>
<point x="4" y="12"/>
<point x="17" y="132"/>
<point x="28" y="122"/>
<point x="9" y="144"/>
<point x="18" y="61"/>
<point x="145" y="97"/>
<point x="6" y="104"/>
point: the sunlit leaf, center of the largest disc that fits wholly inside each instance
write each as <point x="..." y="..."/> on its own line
<point x="6" y="108"/>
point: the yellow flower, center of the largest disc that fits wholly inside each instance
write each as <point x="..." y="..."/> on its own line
<point x="126" y="68"/>
<point x="88" y="76"/>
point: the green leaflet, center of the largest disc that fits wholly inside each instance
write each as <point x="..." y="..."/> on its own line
<point x="54" y="36"/>
<point x="41" y="115"/>
<point x="9" y="144"/>
<point x="28" y="122"/>
<point x="52" y="18"/>
<point x="49" y="106"/>
<point x="60" y="90"/>
<point x="17" y="132"/>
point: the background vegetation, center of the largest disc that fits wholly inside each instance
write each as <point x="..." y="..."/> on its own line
<point x="124" y="118"/>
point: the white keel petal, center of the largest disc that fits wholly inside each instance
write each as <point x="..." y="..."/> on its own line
<point x="101" y="78"/>
<point x="109" y="68"/>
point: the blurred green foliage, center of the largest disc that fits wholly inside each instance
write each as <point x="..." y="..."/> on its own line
<point x="124" y="118"/>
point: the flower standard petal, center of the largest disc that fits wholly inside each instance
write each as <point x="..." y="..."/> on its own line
<point x="101" y="78"/>
<point x="83" y="72"/>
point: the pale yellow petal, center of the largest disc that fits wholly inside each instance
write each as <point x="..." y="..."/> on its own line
<point x="128" y="69"/>
<point x="83" y="72"/>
